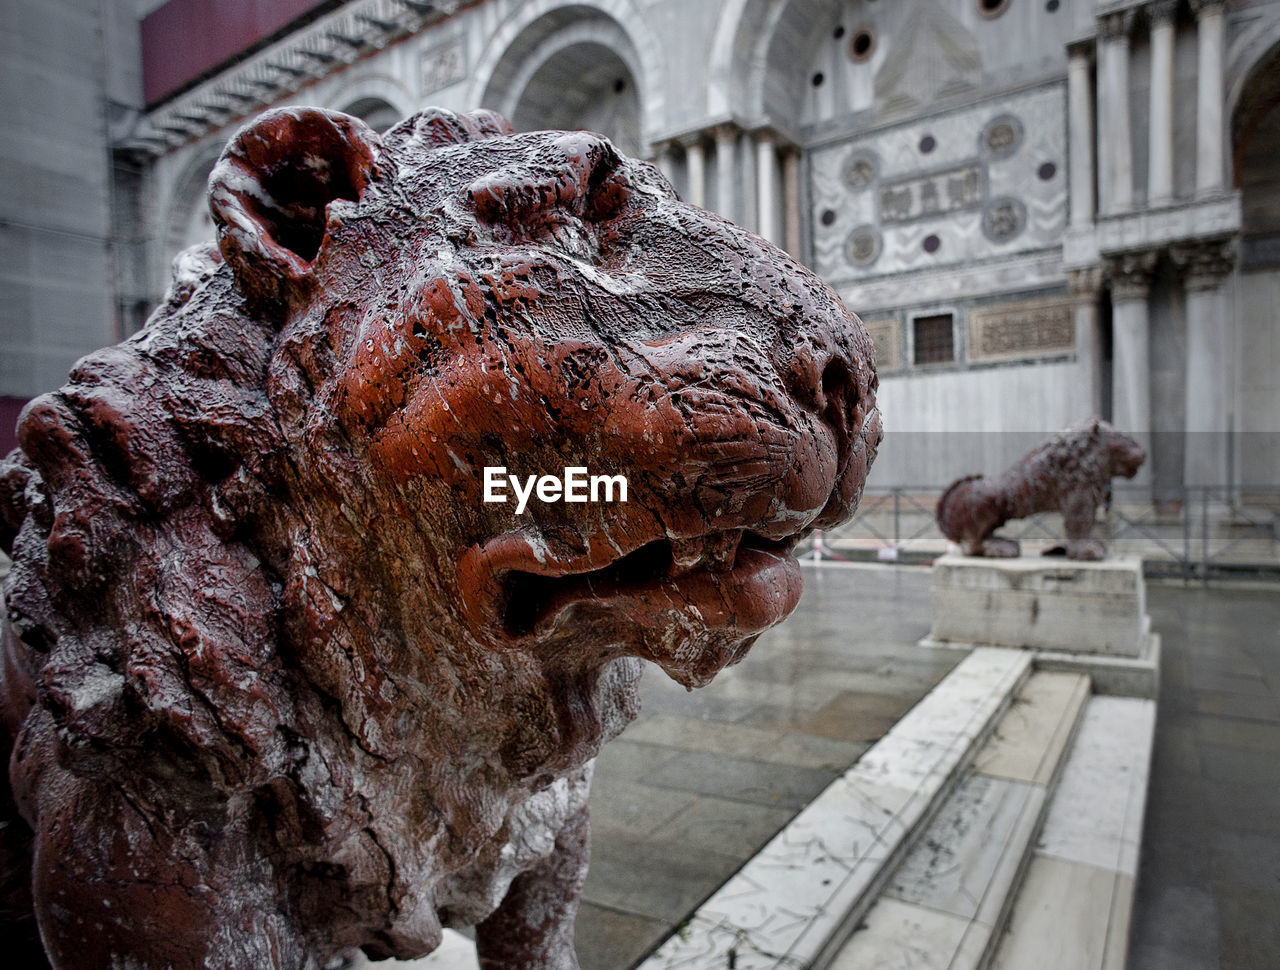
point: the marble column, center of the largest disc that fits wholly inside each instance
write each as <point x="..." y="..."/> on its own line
<point x="1160" y="112"/>
<point x="1210" y="177"/>
<point x="664" y="156"/>
<point x="750" y="210"/>
<point x="1080" y="120"/>
<point x="1085" y="284"/>
<point x="1115" y="154"/>
<point x="791" y="202"/>
<point x="1210" y="347"/>
<point x="726" y="171"/>
<point x="696" y="166"/>
<point x="766" y="185"/>
<point x="1130" y="276"/>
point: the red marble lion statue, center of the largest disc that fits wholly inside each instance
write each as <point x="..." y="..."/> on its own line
<point x="279" y="684"/>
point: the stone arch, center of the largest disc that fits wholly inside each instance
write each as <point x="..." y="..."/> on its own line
<point x="541" y="29"/>
<point x="376" y="99"/>
<point x="1252" y="66"/>
<point x="789" y="44"/>
<point x="374" y="112"/>
<point x="573" y="80"/>
<point x="1254" y="113"/>
<point x="736" y="58"/>
<point x="1247" y="53"/>
<point x="1255" y="146"/>
<point x="189" y="220"/>
<point x="766" y="54"/>
<point x="761" y="50"/>
<point x="739" y="57"/>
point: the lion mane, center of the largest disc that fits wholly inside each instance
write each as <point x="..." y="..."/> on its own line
<point x="186" y="592"/>
<point x="1070" y="473"/>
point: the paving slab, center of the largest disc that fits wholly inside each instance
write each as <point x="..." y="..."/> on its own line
<point x="742" y="779"/>
<point x="1096" y="815"/>
<point x="1208" y="893"/>
<point x="974" y="834"/>
<point x="1068" y="916"/>
<point x="903" y="936"/>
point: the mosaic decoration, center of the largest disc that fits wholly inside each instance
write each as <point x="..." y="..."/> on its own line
<point x="863" y="245"/>
<point x="1003" y="218"/>
<point x="992" y="184"/>
<point x="1002" y="137"/>
<point x="861" y="170"/>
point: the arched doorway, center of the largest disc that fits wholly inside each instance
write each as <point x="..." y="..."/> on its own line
<point x="1256" y="152"/>
<point x="190" y="221"/>
<point x="374" y="112"/>
<point x="584" y="86"/>
<point x="575" y="67"/>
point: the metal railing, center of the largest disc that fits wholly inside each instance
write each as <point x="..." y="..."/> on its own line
<point x="1192" y="532"/>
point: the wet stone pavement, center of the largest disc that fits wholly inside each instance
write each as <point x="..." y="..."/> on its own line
<point x="703" y="779"/>
<point x="1209" y="878"/>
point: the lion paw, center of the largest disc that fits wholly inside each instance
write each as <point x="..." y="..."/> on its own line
<point x="997" y="548"/>
<point x="1089" y="550"/>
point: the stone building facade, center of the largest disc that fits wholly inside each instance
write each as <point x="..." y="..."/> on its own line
<point x="1041" y="208"/>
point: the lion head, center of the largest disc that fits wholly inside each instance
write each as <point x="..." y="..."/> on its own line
<point x="253" y="560"/>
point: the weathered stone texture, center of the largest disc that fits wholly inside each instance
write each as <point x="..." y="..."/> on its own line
<point x="278" y="683"/>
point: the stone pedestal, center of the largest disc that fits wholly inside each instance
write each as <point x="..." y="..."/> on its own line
<point x="1083" y="616"/>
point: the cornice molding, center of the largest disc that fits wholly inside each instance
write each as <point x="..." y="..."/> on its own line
<point x="311" y="53"/>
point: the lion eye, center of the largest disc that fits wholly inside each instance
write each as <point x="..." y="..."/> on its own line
<point x="577" y="173"/>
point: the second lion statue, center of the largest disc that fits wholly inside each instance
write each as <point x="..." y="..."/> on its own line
<point x="1070" y="473"/>
<point x="278" y="683"/>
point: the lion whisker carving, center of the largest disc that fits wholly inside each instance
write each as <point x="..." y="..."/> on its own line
<point x="278" y="683"/>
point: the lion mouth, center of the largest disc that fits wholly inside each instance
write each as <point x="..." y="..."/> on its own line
<point x="735" y="579"/>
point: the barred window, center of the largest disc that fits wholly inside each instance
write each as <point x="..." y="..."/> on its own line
<point x="933" y="339"/>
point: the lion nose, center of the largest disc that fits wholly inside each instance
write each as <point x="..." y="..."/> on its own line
<point x="824" y="379"/>
<point x="577" y="172"/>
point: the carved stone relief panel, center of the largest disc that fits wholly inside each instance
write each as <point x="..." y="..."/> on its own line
<point x="886" y="334"/>
<point x="1027" y="329"/>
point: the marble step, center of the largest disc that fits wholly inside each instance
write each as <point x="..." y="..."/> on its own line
<point x="945" y="905"/>
<point x="1076" y="903"/>
<point x="795" y="902"/>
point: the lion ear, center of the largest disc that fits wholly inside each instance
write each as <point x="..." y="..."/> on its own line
<point x="271" y="187"/>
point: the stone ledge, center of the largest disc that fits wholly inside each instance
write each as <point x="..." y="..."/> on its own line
<point x="797" y="900"/>
<point x="1137" y="676"/>
<point x="1075" y="908"/>
<point x="950" y="899"/>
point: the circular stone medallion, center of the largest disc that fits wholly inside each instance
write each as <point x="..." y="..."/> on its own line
<point x="1003" y="219"/>
<point x="863" y="246"/>
<point x="860" y="170"/>
<point x="1002" y="137"/>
